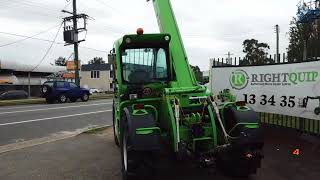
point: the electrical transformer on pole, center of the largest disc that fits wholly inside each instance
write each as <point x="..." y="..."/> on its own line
<point x="71" y="32"/>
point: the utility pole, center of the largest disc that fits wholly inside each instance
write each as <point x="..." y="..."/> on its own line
<point x="76" y="50"/>
<point x="229" y="58"/>
<point x="277" y="30"/>
<point x="71" y="32"/>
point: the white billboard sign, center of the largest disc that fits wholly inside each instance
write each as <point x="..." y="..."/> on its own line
<point x="289" y="89"/>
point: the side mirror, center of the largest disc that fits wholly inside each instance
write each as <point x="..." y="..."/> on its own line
<point x="111" y="58"/>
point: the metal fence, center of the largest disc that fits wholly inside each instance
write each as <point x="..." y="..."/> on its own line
<point x="282" y="59"/>
<point x="304" y="125"/>
<point x="309" y="126"/>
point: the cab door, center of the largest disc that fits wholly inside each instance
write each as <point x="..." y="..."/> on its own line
<point x="75" y="90"/>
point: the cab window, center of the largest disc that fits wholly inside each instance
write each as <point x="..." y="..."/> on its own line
<point x="144" y="65"/>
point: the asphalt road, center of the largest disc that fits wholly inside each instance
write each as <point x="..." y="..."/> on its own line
<point x="96" y="157"/>
<point x="27" y="122"/>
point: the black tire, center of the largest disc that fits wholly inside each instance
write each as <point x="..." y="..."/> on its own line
<point x="45" y="90"/>
<point x="73" y="99"/>
<point x="317" y="110"/>
<point x="49" y="101"/>
<point x="114" y="128"/>
<point x="62" y="98"/>
<point x="129" y="160"/>
<point x="85" y="97"/>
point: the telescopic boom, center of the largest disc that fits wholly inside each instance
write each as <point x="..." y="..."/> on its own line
<point x="168" y="24"/>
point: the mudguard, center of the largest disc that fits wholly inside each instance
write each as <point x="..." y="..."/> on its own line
<point x="149" y="138"/>
<point x="238" y="120"/>
<point x="244" y="154"/>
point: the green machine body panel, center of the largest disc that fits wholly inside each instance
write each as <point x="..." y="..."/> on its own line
<point x="153" y="80"/>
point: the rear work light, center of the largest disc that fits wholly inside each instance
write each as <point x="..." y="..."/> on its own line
<point x="240" y="103"/>
<point x="128" y="40"/>
<point x="138" y="106"/>
<point x="167" y="38"/>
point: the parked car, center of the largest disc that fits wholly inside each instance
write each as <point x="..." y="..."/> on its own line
<point x="62" y="91"/>
<point x="95" y="90"/>
<point x="13" y="94"/>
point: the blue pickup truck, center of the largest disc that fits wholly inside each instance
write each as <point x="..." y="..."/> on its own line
<point x="62" y="91"/>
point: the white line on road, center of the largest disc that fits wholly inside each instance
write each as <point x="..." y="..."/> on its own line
<point x="46" y="109"/>
<point x="48" y="105"/>
<point x="58" y="117"/>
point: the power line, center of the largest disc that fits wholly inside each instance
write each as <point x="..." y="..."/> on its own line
<point x="104" y="3"/>
<point x="70" y="56"/>
<point x="38" y="13"/>
<point x="29" y="37"/>
<point x="47" y="40"/>
<point x="35" y="8"/>
<point x="43" y="7"/>
<point x="26" y="38"/>
<point x="67" y="5"/>
<point x="48" y="50"/>
<point x="93" y="49"/>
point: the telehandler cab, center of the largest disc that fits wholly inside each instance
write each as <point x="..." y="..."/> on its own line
<point x="159" y="104"/>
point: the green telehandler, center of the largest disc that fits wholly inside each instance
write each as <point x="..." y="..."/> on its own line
<point x="159" y="106"/>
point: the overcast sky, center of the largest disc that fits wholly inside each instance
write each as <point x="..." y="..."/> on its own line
<point x="209" y="28"/>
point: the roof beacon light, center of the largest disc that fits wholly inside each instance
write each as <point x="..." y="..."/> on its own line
<point x="140" y="31"/>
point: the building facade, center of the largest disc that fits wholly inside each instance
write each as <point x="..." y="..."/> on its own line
<point x="97" y="76"/>
<point x="18" y="76"/>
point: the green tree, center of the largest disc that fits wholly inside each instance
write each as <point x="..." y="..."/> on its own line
<point x="97" y="60"/>
<point x="256" y="53"/>
<point x="61" y="61"/>
<point x="198" y="74"/>
<point x="303" y="36"/>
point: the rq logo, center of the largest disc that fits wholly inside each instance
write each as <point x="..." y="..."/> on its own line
<point x="239" y="79"/>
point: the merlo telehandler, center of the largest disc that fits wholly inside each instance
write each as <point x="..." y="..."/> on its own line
<point x="159" y="106"/>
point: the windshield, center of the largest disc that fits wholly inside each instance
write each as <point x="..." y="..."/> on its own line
<point x="144" y="65"/>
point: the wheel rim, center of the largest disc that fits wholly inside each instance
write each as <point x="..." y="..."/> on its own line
<point x="125" y="153"/>
<point x="44" y="89"/>
<point x="85" y="97"/>
<point x="63" y="98"/>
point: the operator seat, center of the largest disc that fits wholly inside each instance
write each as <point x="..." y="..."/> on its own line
<point x="139" y="76"/>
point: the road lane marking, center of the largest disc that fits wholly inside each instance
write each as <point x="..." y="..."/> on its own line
<point x="57" y="117"/>
<point x="49" y="105"/>
<point x="46" y="109"/>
